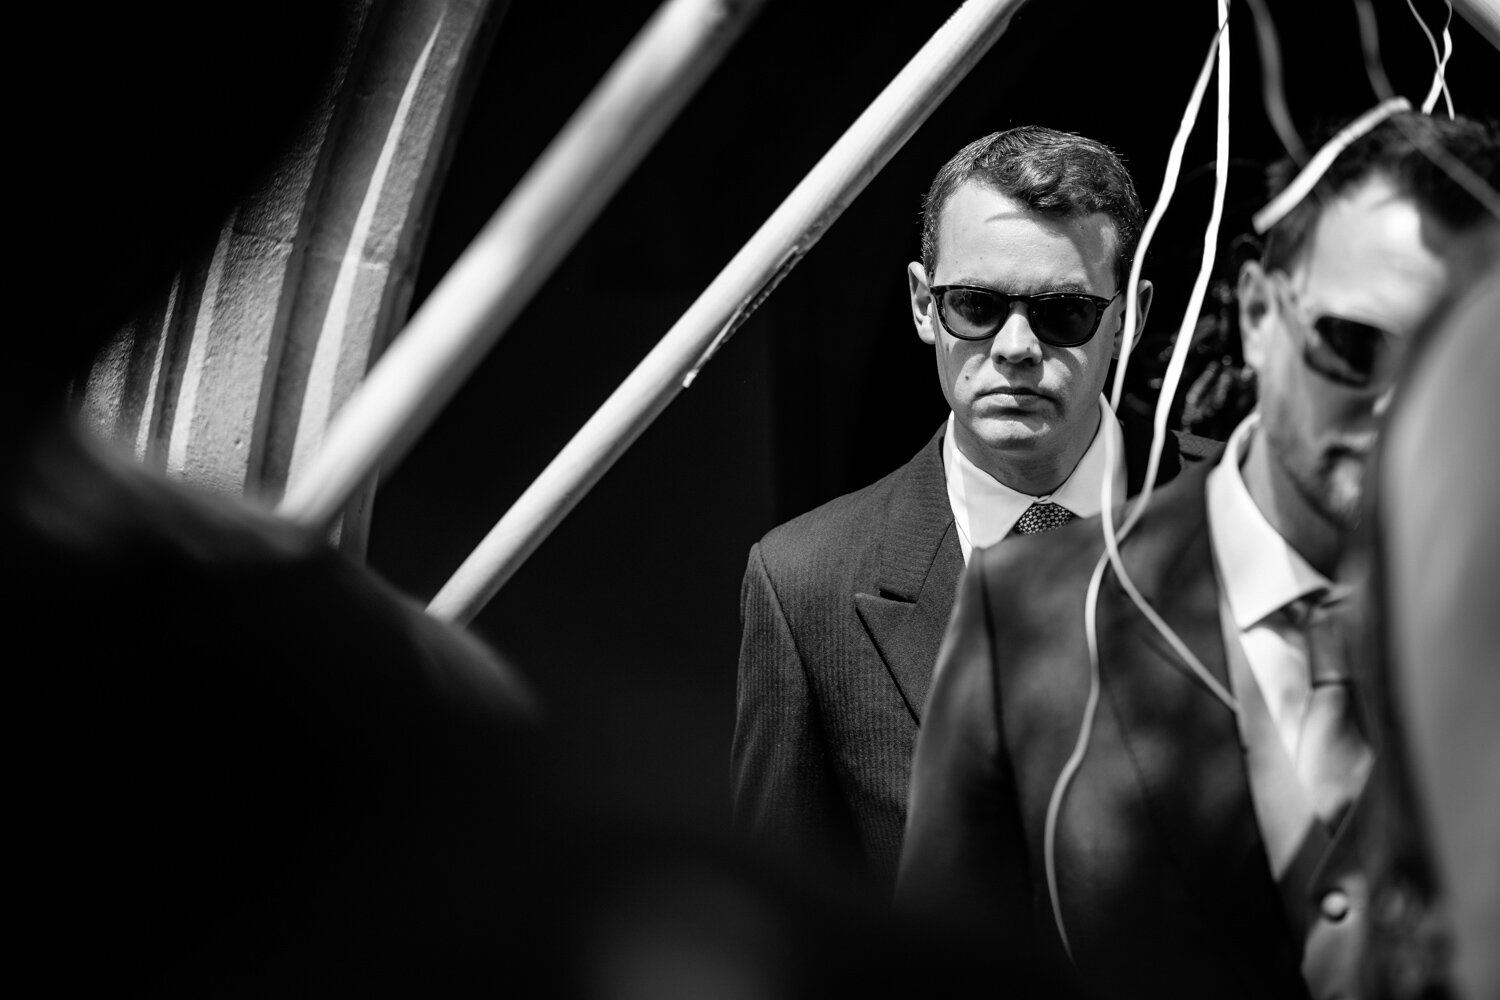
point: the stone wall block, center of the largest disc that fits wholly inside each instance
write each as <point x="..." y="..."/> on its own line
<point x="231" y="380"/>
<point x="215" y="435"/>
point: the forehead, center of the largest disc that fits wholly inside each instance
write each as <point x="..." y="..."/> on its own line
<point x="988" y="238"/>
<point x="1375" y="256"/>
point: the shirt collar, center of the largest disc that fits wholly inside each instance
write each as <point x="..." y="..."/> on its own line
<point x="1262" y="573"/>
<point x="985" y="509"/>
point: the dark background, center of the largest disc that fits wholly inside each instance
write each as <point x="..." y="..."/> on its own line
<point x="626" y="617"/>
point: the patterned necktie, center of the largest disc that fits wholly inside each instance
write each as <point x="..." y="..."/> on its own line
<point x="1042" y="516"/>
<point x="1332" y="758"/>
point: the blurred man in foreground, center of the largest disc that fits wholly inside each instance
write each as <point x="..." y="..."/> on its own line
<point x="1427" y="569"/>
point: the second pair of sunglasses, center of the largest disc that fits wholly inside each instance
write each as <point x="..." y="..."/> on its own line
<point x="1351" y="353"/>
<point x="1060" y="319"/>
<point x="1347" y="351"/>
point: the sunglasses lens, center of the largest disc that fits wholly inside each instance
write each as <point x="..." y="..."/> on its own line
<point x="1061" y="319"/>
<point x="972" y="313"/>
<point x="1064" y="320"/>
<point x="1348" y="352"/>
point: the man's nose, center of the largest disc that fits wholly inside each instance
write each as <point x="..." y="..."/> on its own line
<point x="1015" y="342"/>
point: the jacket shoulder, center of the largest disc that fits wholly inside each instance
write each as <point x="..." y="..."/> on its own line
<point x="834" y="533"/>
<point x="811" y="553"/>
<point x="830" y="522"/>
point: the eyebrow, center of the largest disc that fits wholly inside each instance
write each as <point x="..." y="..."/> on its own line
<point x="1033" y="288"/>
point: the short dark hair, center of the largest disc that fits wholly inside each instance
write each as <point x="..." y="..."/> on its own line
<point x="1409" y="148"/>
<point x="1052" y="173"/>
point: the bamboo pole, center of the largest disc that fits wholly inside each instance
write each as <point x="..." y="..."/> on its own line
<point x="728" y="301"/>
<point x="517" y="249"/>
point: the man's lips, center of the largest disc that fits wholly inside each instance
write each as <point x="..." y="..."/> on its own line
<point x="1018" y="394"/>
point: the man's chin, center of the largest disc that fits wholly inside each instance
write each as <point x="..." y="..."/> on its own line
<point x="1020" y="431"/>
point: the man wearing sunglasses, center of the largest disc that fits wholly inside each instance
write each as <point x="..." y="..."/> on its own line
<point x="1027" y="243"/>
<point x="1173" y="807"/>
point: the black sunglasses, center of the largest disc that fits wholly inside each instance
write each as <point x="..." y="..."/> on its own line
<point x="1348" y="351"/>
<point x="1060" y="319"/>
<point x="1351" y="353"/>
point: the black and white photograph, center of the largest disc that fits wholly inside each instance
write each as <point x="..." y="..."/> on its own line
<point x="750" y="499"/>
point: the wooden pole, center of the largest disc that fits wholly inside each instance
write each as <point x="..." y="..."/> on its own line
<point x="749" y="277"/>
<point x="517" y="249"/>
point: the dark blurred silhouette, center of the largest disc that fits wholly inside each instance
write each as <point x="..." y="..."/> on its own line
<point x="1427" y="572"/>
<point x="239" y="764"/>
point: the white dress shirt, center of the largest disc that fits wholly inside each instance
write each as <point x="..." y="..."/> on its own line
<point x="1261" y="575"/>
<point x="985" y="509"/>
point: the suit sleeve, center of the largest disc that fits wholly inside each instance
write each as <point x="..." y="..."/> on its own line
<point x="964" y="861"/>
<point x="785" y="793"/>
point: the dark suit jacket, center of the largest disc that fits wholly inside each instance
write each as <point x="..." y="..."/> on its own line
<point x="1164" y="884"/>
<point x="842" y="612"/>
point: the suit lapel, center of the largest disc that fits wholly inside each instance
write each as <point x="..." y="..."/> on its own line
<point x="1184" y="741"/>
<point x="907" y="608"/>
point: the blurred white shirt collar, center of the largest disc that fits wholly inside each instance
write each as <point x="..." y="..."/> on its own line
<point x="1262" y="573"/>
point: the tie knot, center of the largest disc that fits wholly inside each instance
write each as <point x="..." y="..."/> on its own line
<point x="1044" y="515"/>
<point x="1320" y="617"/>
<point x="1318" y="606"/>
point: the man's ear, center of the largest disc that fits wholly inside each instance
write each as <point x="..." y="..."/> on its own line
<point x="922" y="312"/>
<point x="1257" y="302"/>
<point x="1143" y="296"/>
